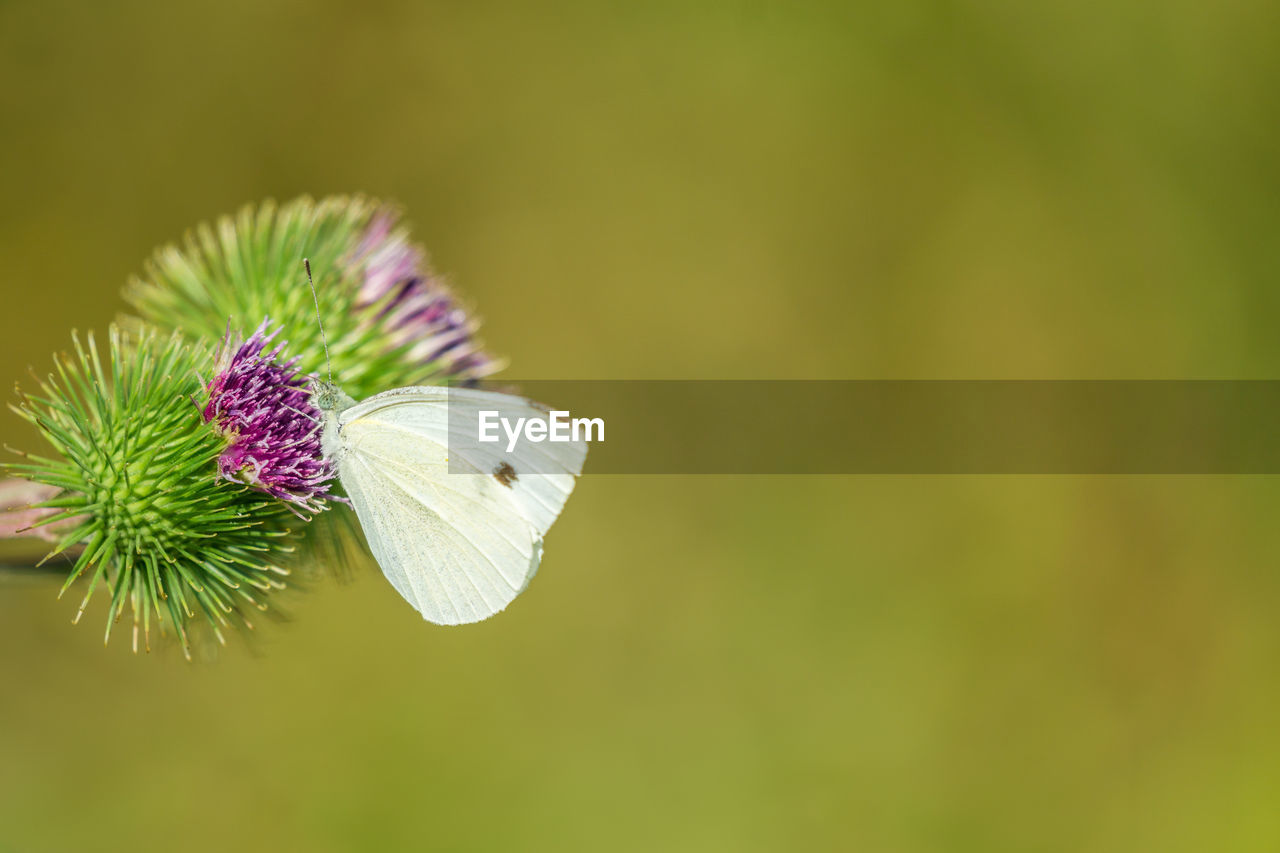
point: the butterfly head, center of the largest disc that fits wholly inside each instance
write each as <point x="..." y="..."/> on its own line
<point x="328" y="397"/>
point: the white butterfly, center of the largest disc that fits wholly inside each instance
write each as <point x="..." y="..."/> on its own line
<point x="458" y="537"/>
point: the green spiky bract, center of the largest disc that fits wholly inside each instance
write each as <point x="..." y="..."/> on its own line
<point x="136" y="466"/>
<point x="249" y="266"/>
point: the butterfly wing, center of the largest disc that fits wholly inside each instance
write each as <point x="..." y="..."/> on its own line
<point x="540" y="476"/>
<point x="458" y="546"/>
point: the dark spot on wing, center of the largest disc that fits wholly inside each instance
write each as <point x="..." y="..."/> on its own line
<point x="505" y="474"/>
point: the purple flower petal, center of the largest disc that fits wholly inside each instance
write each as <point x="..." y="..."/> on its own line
<point x="262" y="406"/>
<point x="415" y="307"/>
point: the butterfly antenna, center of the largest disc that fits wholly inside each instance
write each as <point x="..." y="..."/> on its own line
<point x="324" y="340"/>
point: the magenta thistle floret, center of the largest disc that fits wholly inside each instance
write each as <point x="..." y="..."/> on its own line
<point x="261" y="405"/>
<point x="413" y="306"/>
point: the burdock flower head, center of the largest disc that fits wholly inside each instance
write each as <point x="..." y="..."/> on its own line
<point x="391" y="320"/>
<point x="261" y="405"/>
<point x="133" y="493"/>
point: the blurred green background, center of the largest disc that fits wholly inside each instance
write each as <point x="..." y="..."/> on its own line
<point x="917" y="190"/>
